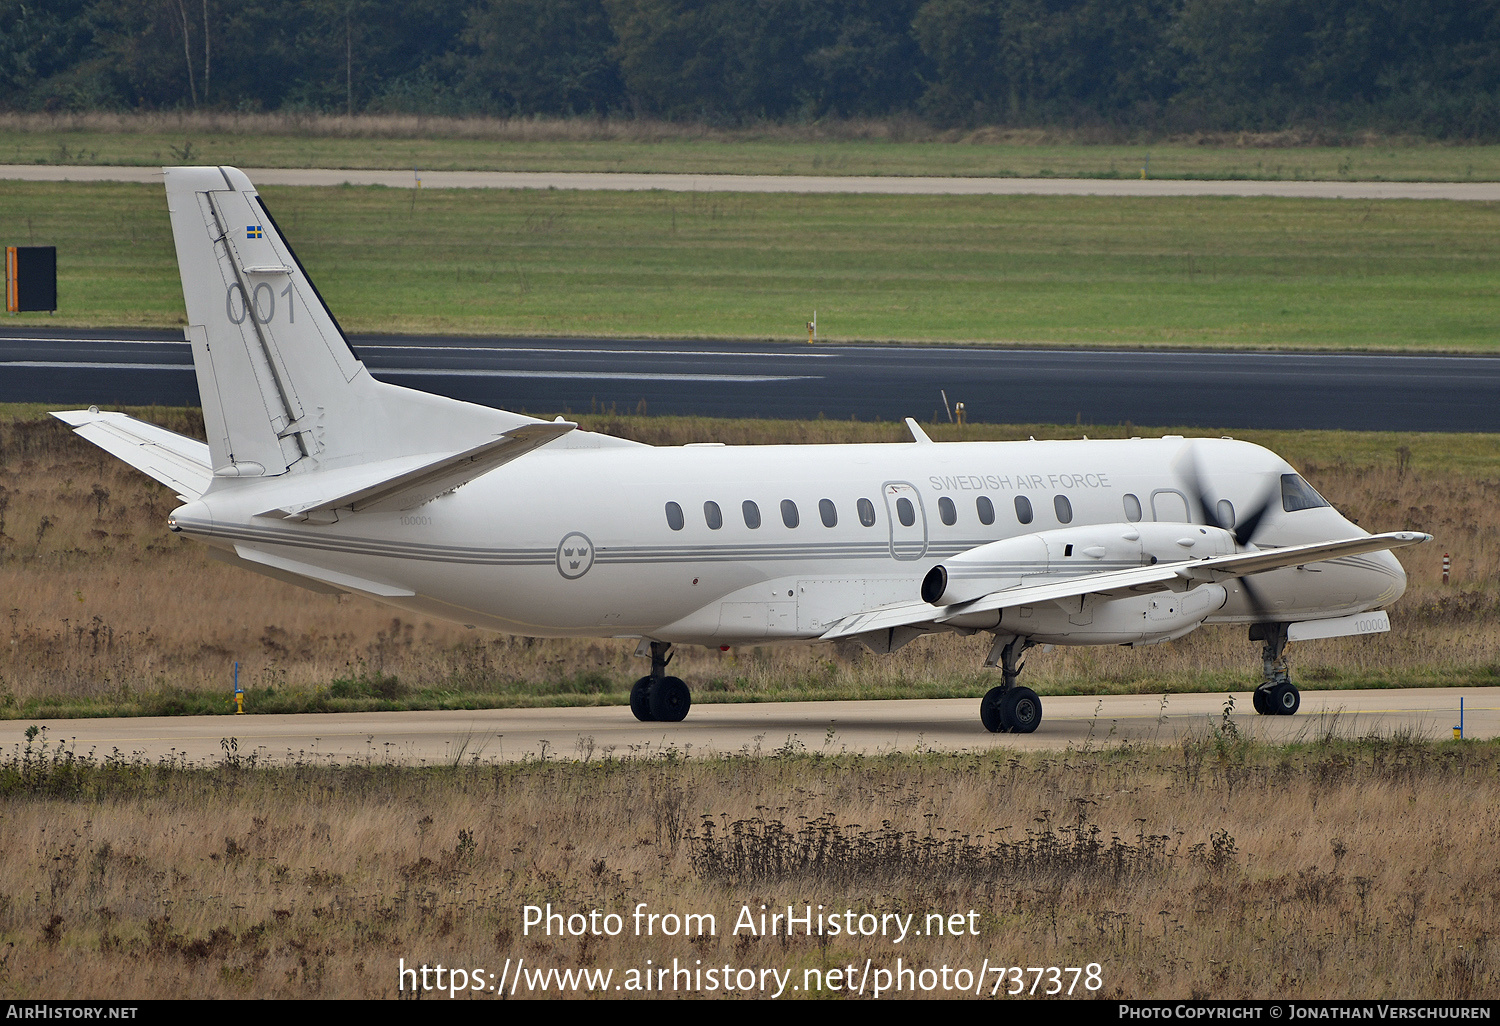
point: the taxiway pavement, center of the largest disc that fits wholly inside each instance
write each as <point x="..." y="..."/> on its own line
<point x="892" y="185"/>
<point x="869" y="728"/>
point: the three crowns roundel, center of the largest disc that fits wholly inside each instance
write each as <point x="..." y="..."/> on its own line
<point x="575" y="554"/>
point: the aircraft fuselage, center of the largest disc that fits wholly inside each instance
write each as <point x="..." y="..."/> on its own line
<point x="659" y="542"/>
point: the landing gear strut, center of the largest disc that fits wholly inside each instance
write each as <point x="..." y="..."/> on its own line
<point x="658" y="697"/>
<point x="1010" y="709"/>
<point x="1277" y="695"/>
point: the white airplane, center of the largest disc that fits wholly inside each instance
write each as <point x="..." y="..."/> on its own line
<point x="317" y="474"/>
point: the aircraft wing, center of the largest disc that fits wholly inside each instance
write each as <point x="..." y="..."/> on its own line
<point x="179" y="462"/>
<point x="1176" y="576"/>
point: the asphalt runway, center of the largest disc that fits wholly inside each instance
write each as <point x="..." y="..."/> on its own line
<point x="871" y="184"/>
<point x="1213" y="390"/>
<point x="870" y="728"/>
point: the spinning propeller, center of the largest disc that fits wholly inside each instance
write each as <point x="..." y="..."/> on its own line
<point x="1243" y="527"/>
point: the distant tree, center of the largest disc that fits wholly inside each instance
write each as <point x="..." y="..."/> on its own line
<point x="738" y="59"/>
<point x="1046" y="61"/>
<point x="861" y="57"/>
<point x="49" y="57"/>
<point x="1266" y="63"/>
<point x="689" y="58"/>
<point x="541" y="57"/>
<point x="142" y="47"/>
<point x="1424" y="66"/>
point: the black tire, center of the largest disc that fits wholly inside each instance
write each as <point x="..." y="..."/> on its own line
<point x="989" y="711"/>
<point x="1022" y="710"/>
<point x="1261" y="699"/>
<point x="640" y="700"/>
<point x="670" y="700"/>
<point x="1286" y="699"/>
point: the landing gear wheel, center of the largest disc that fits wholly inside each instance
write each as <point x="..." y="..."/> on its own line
<point x="1261" y="699"/>
<point x="989" y="711"/>
<point x="670" y="700"/>
<point x="1285" y="699"/>
<point x="1277" y="695"/>
<point x="640" y="699"/>
<point x="1021" y="710"/>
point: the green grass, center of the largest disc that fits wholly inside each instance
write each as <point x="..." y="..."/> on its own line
<point x="503" y="146"/>
<point x="1237" y="272"/>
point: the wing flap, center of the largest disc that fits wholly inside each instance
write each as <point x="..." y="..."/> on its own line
<point x="1178" y="576"/>
<point x="179" y="462"/>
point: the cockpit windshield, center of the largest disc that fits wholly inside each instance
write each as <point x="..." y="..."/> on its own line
<point x="1298" y="494"/>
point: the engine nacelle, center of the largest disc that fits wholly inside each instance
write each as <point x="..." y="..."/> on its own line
<point x="1128" y="620"/>
<point x="1049" y="556"/>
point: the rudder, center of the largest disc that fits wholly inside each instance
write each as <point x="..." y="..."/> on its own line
<point x="281" y="389"/>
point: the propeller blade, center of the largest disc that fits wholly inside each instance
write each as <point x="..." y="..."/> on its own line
<point x="1243" y="526"/>
<point x="1258" y="605"/>
<point x="1246" y="526"/>
<point x="1193" y="480"/>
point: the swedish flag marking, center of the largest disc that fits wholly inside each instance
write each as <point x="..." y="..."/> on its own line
<point x="254" y="231"/>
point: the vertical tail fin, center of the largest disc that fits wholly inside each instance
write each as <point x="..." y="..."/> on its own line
<point x="281" y="389"/>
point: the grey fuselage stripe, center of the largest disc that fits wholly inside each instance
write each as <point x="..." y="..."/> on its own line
<point x="633" y="555"/>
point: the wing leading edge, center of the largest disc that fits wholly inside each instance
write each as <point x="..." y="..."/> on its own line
<point x="1177" y="576"/>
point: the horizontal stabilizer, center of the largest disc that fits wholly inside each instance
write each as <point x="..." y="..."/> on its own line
<point x="1177" y="576"/>
<point x="341" y="581"/>
<point x="431" y="478"/>
<point x="179" y="462"/>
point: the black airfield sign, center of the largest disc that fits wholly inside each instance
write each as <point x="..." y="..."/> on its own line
<point x="30" y="278"/>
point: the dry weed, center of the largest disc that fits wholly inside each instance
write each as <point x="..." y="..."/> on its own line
<point x="1348" y="868"/>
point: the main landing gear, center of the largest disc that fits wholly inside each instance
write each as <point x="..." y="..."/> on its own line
<point x="658" y="697"/>
<point x="1277" y="695"/>
<point x="1010" y="709"/>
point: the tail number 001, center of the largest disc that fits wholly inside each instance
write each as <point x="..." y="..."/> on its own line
<point x="263" y="307"/>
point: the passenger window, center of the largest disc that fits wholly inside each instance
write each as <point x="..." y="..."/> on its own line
<point x="789" y="513"/>
<point x="1023" y="509"/>
<point x="827" y="511"/>
<point x="1225" y="511"/>
<point x="674" y="516"/>
<point x="866" y="512"/>
<point x="1132" y="508"/>
<point x="1063" y="508"/>
<point x="713" y="515"/>
<point x="752" y="514"/>
<point x="905" y="512"/>
<point x="986" y="510"/>
<point x="947" y="511"/>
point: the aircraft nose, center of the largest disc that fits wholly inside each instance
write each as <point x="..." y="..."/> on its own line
<point x="1393" y="574"/>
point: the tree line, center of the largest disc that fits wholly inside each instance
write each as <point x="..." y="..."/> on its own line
<point x="1429" y="67"/>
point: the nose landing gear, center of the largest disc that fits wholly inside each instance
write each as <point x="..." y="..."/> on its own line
<point x="657" y="697"/>
<point x="1277" y="695"/>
